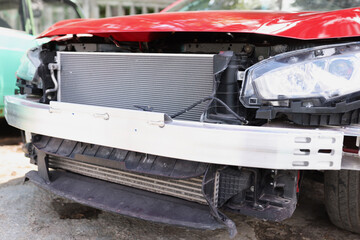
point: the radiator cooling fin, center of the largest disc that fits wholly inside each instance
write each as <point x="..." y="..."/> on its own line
<point x="165" y="83"/>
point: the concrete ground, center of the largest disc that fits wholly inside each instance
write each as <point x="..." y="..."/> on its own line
<point x="27" y="212"/>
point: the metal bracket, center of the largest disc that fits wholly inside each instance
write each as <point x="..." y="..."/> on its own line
<point x="216" y="188"/>
<point x="209" y="182"/>
<point x="43" y="165"/>
<point x="350" y="161"/>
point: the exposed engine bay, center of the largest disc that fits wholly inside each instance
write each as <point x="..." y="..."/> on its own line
<point x="222" y="78"/>
<point x="226" y="102"/>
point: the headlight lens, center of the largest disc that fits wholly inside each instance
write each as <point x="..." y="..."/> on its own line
<point x="323" y="72"/>
<point x="28" y="65"/>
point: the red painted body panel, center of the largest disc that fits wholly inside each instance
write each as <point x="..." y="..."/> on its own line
<point x="306" y="25"/>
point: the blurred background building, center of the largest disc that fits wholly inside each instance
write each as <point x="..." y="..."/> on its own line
<point x="111" y="8"/>
<point x="47" y="12"/>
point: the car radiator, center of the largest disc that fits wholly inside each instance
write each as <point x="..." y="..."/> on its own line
<point x="166" y="83"/>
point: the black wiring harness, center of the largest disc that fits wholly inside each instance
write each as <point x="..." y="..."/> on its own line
<point x="241" y="119"/>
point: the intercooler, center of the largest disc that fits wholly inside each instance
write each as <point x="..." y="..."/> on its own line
<point x="166" y="83"/>
<point x="189" y="189"/>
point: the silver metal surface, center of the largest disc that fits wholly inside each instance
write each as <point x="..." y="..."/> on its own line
<point x="350" y="161"/>
<point x="166" y="83"/>
<point x="351" y="130"/>
<point x="154" y="133"/>
<point x="189" y="189"/>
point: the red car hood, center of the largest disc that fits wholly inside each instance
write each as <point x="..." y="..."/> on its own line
<point x="306" y="25"/>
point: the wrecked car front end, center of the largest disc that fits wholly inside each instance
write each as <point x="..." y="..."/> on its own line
<point x="176" y="124"/>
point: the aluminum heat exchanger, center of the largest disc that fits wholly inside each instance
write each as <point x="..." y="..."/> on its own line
<point x="166" y="83"/>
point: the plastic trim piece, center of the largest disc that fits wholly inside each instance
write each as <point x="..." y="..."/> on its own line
<point x="126" y="200"/>
<point x="342" y="113"/>
<point x="157" y="134"/>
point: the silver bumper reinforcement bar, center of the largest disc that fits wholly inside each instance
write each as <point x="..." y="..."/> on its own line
<point x="157" y="134"/>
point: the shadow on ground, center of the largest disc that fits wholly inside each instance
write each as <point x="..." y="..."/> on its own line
<point x="73" y="210"/>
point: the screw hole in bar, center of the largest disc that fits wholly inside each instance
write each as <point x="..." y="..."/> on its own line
<point x="302" y="140"/>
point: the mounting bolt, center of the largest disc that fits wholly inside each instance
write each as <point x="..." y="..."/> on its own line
<point x="248" y="48"/>
<point x="272" y="184"/>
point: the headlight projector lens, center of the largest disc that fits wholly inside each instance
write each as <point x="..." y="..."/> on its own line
<point x="316" y="86"/>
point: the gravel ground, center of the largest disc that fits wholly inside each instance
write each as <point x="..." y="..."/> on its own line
<point x="27" y="212"/>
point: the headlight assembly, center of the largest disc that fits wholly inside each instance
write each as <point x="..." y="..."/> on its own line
<point x="28" y="80"/>
<point x="29" y="63"/>
<point x="310" y="86"/>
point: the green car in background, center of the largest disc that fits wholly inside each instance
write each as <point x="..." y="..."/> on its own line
<point x="20" y="20"/>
